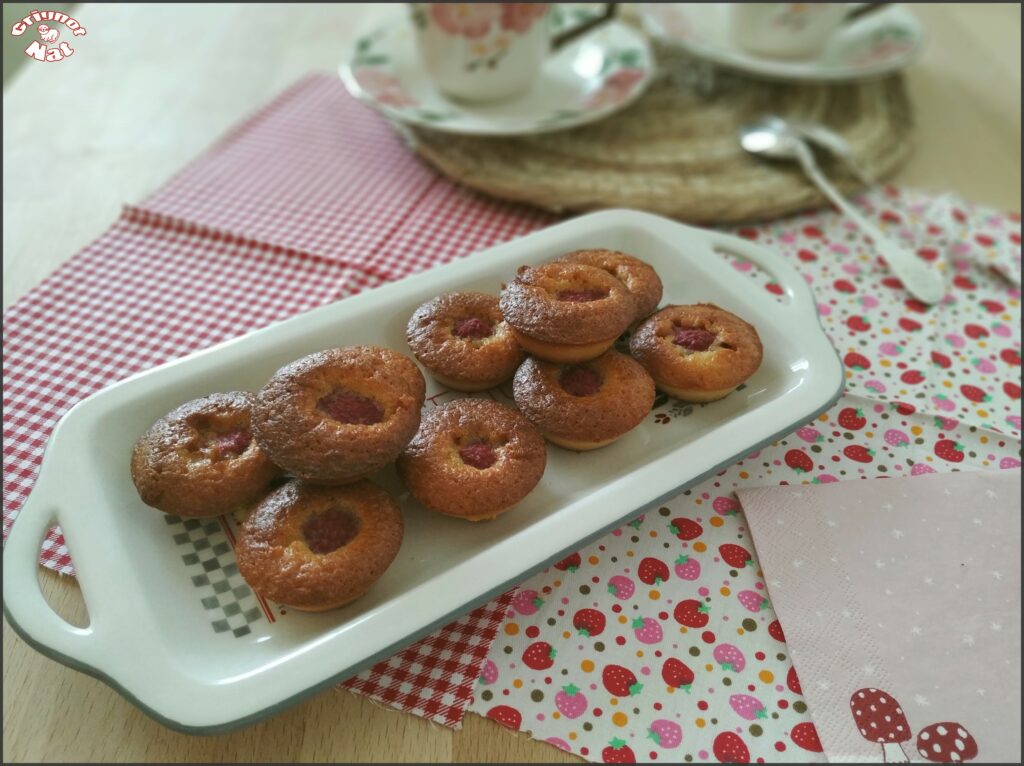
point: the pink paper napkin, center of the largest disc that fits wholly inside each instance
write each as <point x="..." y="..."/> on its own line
<point x="901" y="602"/>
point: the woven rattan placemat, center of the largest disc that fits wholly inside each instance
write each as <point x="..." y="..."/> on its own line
<point x="675" y="151"/>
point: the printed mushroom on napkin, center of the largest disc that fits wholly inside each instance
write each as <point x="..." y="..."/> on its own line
<point x="900" y="601"/>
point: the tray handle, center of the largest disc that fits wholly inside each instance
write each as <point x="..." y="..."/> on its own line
<point x="796" y="292"/>
<point x="25" y="606"/>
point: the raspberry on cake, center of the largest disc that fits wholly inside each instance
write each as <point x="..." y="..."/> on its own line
<point x="200" y="460"/>
<point x="566" y="312"/>
<point x="473" y="459"/>
<point x="640" y="278"/>
<point x="315" y="548"/>
<point x="584" y="406"/>
<point x="697" y="353"/>
<point x="464" y="341"/>
<point x="337" y="416"/>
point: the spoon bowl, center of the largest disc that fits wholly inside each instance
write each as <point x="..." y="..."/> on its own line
<point x="771" y="137"/>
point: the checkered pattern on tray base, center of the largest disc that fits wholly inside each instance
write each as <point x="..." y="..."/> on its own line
<point x="205" y="551"/>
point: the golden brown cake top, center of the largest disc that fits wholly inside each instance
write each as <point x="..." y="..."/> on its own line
<point x="471" y="455"/>
<point x="315" y="547"/>
<point x="338" y="414"/>
<point x="698" y="346"/>
<point x="464" y="336"/>
<point x="639" y="277"/>
<point x="567" y="303"/>
<point x="200" y="459"/>
<point x="589" y="402"/>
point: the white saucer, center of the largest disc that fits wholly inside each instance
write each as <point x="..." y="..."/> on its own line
<point x="881" y="42"/>
<point x="589" y="79"/>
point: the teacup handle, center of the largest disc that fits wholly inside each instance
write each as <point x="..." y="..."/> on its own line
<point x="859" y="10"/>
<point x="566" y="37"/>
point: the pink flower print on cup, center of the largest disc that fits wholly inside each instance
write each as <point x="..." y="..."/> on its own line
<point x="385" y="88"/>
<point x="472" y="20"/>
<point x="615" y="89"/>
<point x="519" y="17"/>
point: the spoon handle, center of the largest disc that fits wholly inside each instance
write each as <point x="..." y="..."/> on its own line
<point x="922" y="281"/>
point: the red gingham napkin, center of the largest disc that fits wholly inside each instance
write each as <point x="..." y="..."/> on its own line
<point x="434" y="677"/>
<point x="319" y="173"/>
<point x="312" y="199"/>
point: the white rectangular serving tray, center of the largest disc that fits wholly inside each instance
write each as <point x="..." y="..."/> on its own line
<point x="172" y="625"/>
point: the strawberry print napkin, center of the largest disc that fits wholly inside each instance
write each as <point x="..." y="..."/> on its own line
<point x="902" y="605"/>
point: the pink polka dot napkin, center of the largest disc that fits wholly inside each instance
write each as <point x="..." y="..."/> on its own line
<point x="901" y="601"/>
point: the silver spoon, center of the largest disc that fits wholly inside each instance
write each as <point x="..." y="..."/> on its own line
<point x="833" y="142"/>
<point x="774" y="139"/>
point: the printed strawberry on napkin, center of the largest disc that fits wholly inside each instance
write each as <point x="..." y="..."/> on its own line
<point x="901" y="601"/>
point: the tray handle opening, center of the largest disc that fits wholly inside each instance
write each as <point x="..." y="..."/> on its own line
<point x="25" y="605"/>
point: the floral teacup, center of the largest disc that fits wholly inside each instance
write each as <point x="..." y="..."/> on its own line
<point x="482" y="51"/>
<point x="787" y="30"/>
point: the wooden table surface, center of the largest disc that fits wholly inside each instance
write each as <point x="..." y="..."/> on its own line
<point x="147" y="90"/>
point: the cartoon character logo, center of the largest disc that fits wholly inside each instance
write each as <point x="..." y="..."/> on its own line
<point x="48" y="35"/>
<point x="45" y="48"/>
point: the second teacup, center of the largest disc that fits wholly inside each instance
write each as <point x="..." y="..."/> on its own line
<point x="786" y="30"/>
<point x="482" y="51"/>
<point x="488" y="52"/>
